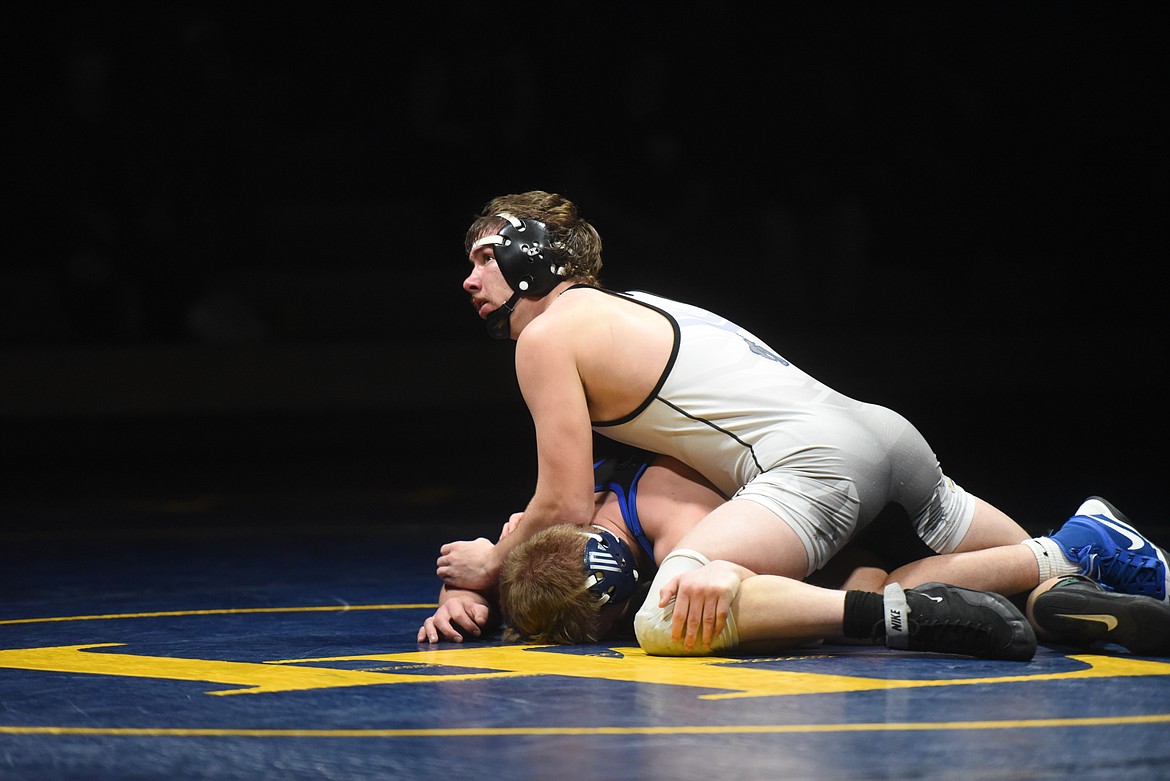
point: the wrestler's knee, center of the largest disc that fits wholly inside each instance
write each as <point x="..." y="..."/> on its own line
<point x="652" y="623"/>
<point x="652" y="628"/>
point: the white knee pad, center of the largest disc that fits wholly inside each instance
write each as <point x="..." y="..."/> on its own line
<point x="652" y="623"/>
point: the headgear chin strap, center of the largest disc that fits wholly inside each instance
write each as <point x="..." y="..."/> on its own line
<point x="524" y="253"/>
<point x="498" y="322"/>
<point x="609" y="567"/>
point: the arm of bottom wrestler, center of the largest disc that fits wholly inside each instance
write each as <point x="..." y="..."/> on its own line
<point x="464" y="610"/>
<point x="461" y="613"/>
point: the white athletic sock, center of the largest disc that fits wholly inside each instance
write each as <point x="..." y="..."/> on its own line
<point x="1051" y="559"/>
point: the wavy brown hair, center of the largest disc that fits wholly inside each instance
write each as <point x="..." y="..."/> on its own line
<point x="575" y="242"/>
<point x="543" y="595"/>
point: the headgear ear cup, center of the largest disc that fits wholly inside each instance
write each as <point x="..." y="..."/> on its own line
<point x="525" y="258"/>
<point x="609" y="567"/>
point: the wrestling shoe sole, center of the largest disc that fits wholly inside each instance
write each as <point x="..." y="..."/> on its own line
<point x="1082" y="614"/>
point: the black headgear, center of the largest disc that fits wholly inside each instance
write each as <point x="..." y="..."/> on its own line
<point x="609" y="567"/>
<point x="524" y="253"/>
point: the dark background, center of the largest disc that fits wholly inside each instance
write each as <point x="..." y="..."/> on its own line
<point x="233" y="247"/>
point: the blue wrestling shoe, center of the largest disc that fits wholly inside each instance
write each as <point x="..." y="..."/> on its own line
<point x="1112" y="552"/>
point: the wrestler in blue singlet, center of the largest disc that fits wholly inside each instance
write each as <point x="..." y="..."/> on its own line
<point x="620" y="475"/>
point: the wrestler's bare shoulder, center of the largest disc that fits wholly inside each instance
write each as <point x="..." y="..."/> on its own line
<point x="615" y="311"/>
<point x="592" y="313"/>
<point x="592" y="299"/>
<point x="616" y="347"/>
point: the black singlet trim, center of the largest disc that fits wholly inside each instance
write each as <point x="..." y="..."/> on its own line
<point x="665" y="372"/>
<point x="662" y="381"/>
<point x="722" y="431"/>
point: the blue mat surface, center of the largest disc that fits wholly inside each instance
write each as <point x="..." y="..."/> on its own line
<point x="289" y="653"/>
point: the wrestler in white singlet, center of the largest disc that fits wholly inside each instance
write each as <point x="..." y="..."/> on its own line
<point x="761" y="429"/>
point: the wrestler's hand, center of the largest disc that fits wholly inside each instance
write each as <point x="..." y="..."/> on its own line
<point x="468" y="564"/>
<point x="510" y="526"/>
<point x="463" y="614"/>
<point x="703" y="598"/>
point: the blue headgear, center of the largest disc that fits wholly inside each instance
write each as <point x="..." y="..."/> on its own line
<point x="609" y="567"/>
<point x="524" y="253"/>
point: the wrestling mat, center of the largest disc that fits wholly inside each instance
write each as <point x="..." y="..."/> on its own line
<point x="206" y="643"/>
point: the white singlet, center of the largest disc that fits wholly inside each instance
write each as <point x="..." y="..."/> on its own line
<point x="759" y="428"/>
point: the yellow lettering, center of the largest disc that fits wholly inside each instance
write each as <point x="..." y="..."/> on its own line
<point x="720" y="678"/>
<point x="254" y="678"/>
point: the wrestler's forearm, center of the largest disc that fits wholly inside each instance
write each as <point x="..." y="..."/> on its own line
<point x="542" y="512"/>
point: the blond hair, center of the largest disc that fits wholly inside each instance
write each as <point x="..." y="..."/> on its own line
<point x="575" y="242"/>
<point x="543" y="591"/>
